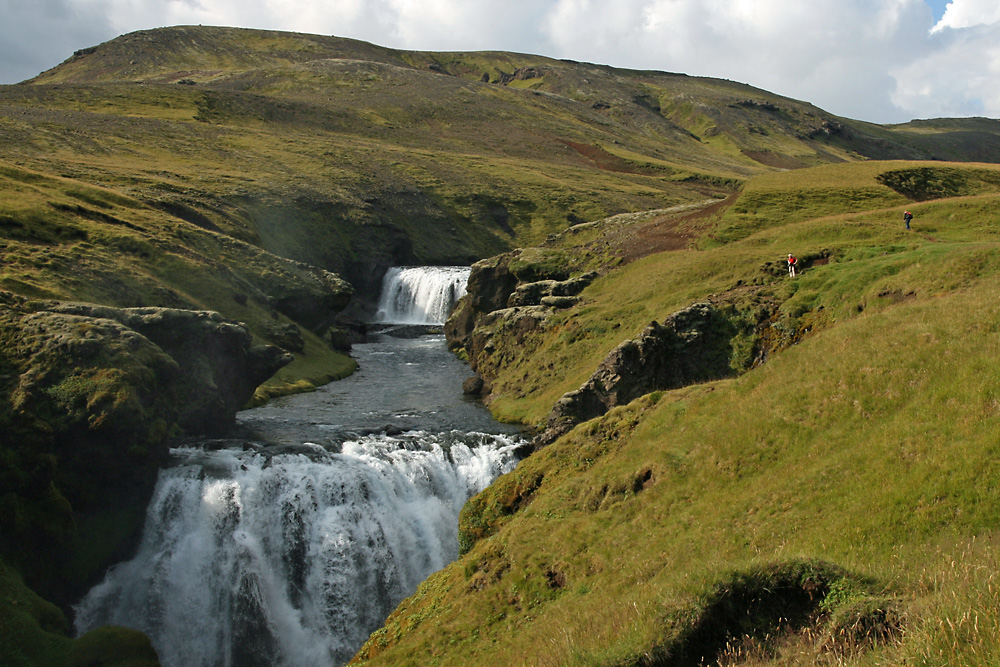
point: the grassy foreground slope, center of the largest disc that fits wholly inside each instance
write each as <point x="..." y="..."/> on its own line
<point x="834" y="505"/>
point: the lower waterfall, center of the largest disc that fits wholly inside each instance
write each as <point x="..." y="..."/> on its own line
<point x="421" y="294"/>
<point x="292" y="559"/>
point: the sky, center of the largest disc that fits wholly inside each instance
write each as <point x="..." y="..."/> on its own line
<point x="883" y="61"/>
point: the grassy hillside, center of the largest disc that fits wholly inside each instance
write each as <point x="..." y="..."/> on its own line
<point x="832" y="505"/>
<point x="251" y="172"/>
<point x="353" y="157"/>
<point x="65" y="240"/>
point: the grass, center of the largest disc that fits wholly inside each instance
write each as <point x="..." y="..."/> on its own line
<point x="124" y="186"/>
<point x="315" y="366"/>
<point x="867" y="467"/>
<point x="869" y="446"/>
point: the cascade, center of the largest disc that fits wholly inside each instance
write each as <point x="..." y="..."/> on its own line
<point x="291" y="548"/>
<point x="421" y="294"/>
<point x="292" y="559"/>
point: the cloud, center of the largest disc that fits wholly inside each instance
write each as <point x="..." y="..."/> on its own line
<point x="834" y="53"/>
<point x="968" y="14"/>
<point x="40" y="34"/>
<point x="956" y="76"/>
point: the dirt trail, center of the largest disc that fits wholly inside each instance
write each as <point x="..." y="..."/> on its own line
<point x="670" y="231"/>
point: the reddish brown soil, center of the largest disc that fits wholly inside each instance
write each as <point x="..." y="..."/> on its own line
<point x="602" y="159"/>
<point x="667" y="232"/>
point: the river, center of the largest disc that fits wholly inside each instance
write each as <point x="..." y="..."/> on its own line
<point x="290" y="546"/>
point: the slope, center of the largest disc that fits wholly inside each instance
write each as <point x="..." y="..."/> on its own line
<point x="354" y="157"/>
<point x="829" y="503"/>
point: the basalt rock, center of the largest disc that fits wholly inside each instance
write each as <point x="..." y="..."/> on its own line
<point x="557" y="293"/>
<point x="218" y="366"/>
<point x="313" y="299"/>
<point x="473" y="385"/>
<point x="692" y="345"/>
<point x="489" y="287"/>
<point x="508" y="297"/>
<point x="502" y="335"/>
<point x="287" y="336"/>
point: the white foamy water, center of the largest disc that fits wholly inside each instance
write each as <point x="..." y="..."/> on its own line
<point x="292" y="559"/>
<point x="421" y="294"/>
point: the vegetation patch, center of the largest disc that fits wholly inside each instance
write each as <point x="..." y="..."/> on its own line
<point x="756" y="607"/>
<point x="925" y="183"/>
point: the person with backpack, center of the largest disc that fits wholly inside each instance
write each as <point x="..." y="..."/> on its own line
<point x="792" y="261"/>
<point x="907" y="216"/>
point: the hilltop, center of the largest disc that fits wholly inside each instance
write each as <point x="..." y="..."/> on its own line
<point x="260" y="183"/>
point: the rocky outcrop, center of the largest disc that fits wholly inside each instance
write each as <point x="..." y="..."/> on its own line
<point x="309" y="295"/>
<point x="491" y="282"/>
<point x="554" y="293"/>
<point x="507" y="302"/>
<point x="89" y="396"/>
<point x="502" y="335"/>
<point x="218" y="366"/>
<point x="692" y="345"/>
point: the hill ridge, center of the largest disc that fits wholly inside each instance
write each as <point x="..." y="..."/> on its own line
<point x="229" y="170"/>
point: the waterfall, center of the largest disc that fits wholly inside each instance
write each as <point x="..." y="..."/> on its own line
<point x="292" y="559"/>
<point x="421" y="294"/>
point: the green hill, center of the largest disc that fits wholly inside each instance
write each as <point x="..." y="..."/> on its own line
<point x="829" y="498"/>
<point x="831" y="502"/>
<point x="352" y="157"/>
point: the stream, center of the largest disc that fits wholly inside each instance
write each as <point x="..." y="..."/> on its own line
<point x="289" y="547"/>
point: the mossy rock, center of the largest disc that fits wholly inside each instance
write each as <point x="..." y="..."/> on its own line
<point x="113" y="646"/>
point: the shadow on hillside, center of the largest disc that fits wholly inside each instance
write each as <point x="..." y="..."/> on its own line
<point x="758" y="607"/>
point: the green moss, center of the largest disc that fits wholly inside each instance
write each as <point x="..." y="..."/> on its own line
<point x="316" y="365"/>
<point x="113" y="646"/>
<point x="32" y="631"/>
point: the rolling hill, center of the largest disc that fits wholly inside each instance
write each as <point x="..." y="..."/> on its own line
<point x="826" y="499"/>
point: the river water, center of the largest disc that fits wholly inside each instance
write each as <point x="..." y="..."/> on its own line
<point x="291" y="545"/>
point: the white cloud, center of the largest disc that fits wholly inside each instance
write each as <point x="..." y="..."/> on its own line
<point x="968" y="14"/>
<point x="957" y="76"/>
<point x="834" y="53"/>
<point x="40" y="34"/>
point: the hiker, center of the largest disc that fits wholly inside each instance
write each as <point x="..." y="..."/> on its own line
<point x="791" y="264"/>
<point x="907" y="216"/>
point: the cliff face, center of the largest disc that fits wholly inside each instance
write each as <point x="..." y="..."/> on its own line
<point x="692" y="345"/>
<point x="88" y="398"/>
<point x="509" y="300"/>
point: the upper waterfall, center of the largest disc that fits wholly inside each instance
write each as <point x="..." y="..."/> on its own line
<point x="421" y="294"/>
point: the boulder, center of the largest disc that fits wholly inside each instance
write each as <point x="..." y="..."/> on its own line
<point x="339" y="339"/>
<point x="473" y="385"/>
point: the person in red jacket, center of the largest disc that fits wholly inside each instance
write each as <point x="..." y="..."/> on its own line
<point x="791" y="264"/>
